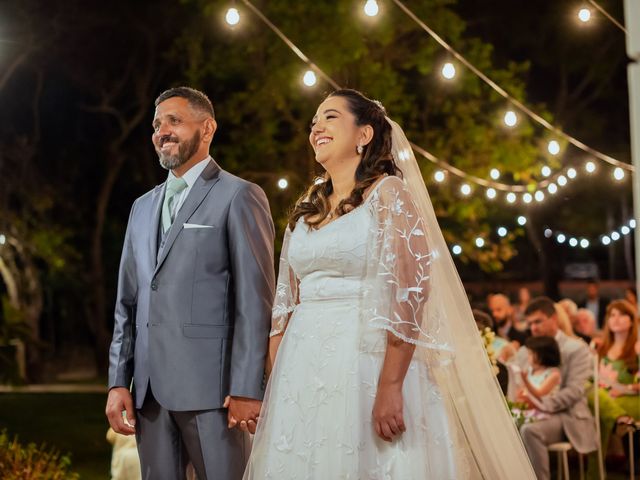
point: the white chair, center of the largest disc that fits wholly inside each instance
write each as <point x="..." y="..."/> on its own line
<point x="562" y="448"/>
<point x="632" y="467"/>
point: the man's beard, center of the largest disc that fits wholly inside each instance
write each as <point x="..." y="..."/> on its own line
<point x="186" y="150"/>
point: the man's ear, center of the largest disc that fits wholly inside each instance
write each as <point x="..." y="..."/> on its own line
<point x="210" y="127"/>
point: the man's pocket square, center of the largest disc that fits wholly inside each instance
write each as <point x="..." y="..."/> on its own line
<point x="195" y="225"/>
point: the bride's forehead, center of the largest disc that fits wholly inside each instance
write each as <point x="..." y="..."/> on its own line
<point x="332" y="103"/>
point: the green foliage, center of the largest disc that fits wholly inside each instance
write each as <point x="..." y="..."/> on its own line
<point x="18" y="462"/>
<point x="264" y="110"/>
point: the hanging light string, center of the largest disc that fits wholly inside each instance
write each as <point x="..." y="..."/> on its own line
<point x="490" y="184"/>
<point x="608" y="16"/>
<point x="574" y="141"/>
<point x="291" y="45"/>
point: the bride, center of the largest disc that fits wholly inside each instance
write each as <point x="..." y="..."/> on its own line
<point x="378" y="371"/>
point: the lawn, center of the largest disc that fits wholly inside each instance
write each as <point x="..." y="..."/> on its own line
<point x="72" y="422"/>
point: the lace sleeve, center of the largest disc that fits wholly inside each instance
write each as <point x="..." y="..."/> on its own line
<point x="286" y="290"/>
<point x="399" y="267"/>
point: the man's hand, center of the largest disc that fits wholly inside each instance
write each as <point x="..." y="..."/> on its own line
<point x="118" y="402"/>
<point x="243" y="412"/>
<point x="387" y="412"/>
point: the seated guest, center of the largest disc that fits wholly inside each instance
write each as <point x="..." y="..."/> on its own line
<point x="570" y="307"/>
<point x="568" y="414"/>
<point x="501" y="347"/>
<point x="630" y="295"/>
<point x="594" y="302"/>
<point x="503" y="315"/>
<point x="524" y="297"/>
<point x="619" y="392"/>
<point x="584" y="324"/>
<point x="564" y="322"/>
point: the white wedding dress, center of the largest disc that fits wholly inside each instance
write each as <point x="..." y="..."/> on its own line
<point x="316" y="421"/>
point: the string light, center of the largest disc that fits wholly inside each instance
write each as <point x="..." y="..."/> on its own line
<point x="548" y="233"/>
<point x="448" y="71"/>
<point x="562" y="180"/>
<point x="510" y="119"/>
<point x="560" y="238"/>
<point x="552" y="188"/>
<point x="572" y="173"/>
<point x="479" y="242"/>
<point x="439" y="176"/>
<point x="618" y="174"/>
<point x="283" y="183"/>
<point x="502" y="232"/>
<point x="590" y="167"/>
<point x="615" y="236"/>
<point x="522" y="220"/>
<point x="456" y="249"/>
<point x="573" y="242"/>
<point x="309" y="78"/>
<point x="553" y="147"/>
<point x="491" y="193"/>
<point x="605" y="240"/>
<point x="511" y="197"/>
<point x="527" y="198"/>
<point x="546" y="171"/>
<point x="465" y="189"/>
<point x="584" y="14"/>
<point x="3" y="239"/>
<point x="539" y="196"/>
<point x="625" y="230"/>
<point x="232" y="17"/>
<point x="584" y="243"/>
<point x="494" y="173"/>
<point x="632" y="223"/>
<point x="371" y="8"/>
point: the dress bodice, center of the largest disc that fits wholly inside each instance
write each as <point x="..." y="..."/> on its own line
<point x="330" y="262"/>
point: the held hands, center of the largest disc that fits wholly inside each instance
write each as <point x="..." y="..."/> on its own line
<point x="243" y="413"/>
<point x="120" y="411"/>
<point x="387" y="412"/>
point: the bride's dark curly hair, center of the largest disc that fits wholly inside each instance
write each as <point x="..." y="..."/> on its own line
<point x="376" y="161"/>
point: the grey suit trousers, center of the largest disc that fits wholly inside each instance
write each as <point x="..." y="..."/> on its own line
<point x="180" y="437"/>
<point x="536" y="436"/>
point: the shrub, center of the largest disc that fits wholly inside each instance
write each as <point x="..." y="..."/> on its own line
<point x="18" y="462"/>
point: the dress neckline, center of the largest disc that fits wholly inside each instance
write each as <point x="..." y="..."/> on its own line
<point x="364" y="202"/>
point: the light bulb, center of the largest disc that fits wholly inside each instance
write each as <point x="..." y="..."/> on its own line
<point x="491" y="193"/>
<point x="546" y="171"/>
<point x="553" y="147"/>
<point x="625" y="230"/>
<point x="522" y="220"/>
<point x="590" y="167"/>
<point x="456" y="249"/>
<point x="527" y="198"/>
<point x="552" y="188"/>
<point x="561" y="238"/>
<point x="465" y="189"/>
<point x="584" y="243"/>
<point x="495" y="173"/>
<point x="479" y="242"/>
<point x="562" y="180"/>
<point x="502" y="232"/>
<point x="632" y="223"/>
<point x="572" y="173"/>
<point x="3" y="239"/>
<point x="371" y="8"/>
<point x="232" y="17"/>
<point x="511" y="197"/>
<point x="439" y="176"/>
<point x="615" y="236"/>
<point x="606" y="240"/>
<point x="573" y="242"/>
<point x="584" y="14"/>
<point x="448" y="71"/>
<point x="539" y="196"/>
<point x="510" y="118"/>
<point x="309" y="78"/>
<point x="618" y="173"/>
<point x="548" y="233"/>
<point x="283" y="183"/>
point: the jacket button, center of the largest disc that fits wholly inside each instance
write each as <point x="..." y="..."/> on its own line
<point x="154" y="286"/>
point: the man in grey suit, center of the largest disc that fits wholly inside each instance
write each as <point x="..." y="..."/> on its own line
<point x="569" y="415"/>
<point x="192" y="317"/>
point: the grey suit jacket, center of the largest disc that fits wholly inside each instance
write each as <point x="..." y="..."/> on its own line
<point x="192" y="316"/>
<point x="570" y="402"/>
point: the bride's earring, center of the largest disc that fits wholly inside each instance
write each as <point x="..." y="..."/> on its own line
<point x="359" y="149"/>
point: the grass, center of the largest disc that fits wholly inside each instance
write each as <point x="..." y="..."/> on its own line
<point x="71" y="422"/>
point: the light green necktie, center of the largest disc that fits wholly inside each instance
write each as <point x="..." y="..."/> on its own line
<point x="174" y="187"/>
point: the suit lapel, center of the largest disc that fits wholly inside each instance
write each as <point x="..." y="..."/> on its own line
<point x="156" y="208"/>
<point x="199" y="191"/>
